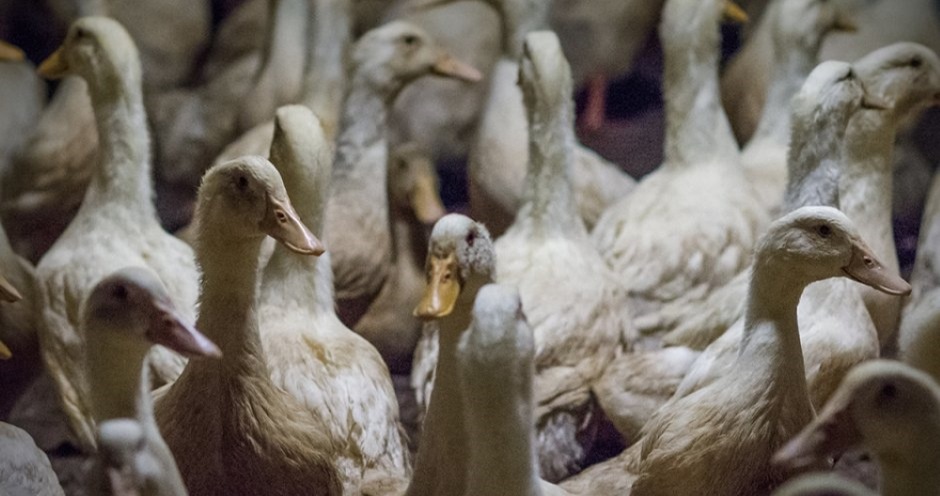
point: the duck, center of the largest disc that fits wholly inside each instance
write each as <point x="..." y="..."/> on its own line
<point x="496" y="365"/>
<point x="123" y="465"/>
<point x="329" y="35"/>
<point x="125" y="314"/>
<point x="836" y="329"/>
<point x="255" y="438"/>
<point x="498" y="155"/>
<point x="461" y="260"/>
<point x="22" y="108"/>
<point x="414" y="205"/>
<point x="700" y="191"/>
<point x="548" y="243"/>
<point x="115" y="226"/>
<point x="24" y="468"/>
<point x="333" y="372"/>
<point x="384" y="61"/>
<point x="891" y="409"/>
<point x="822" y="484"/>
<point x="720" y="439"/>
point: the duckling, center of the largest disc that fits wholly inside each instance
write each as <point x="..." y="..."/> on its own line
<point x="254" y="438"/>
<point x="890" y="409"/>
<point x="461" y="260"/>
<point x="720" y="439"/>
<point x="495" y="362"/>
<point x="357" y="222"/>
<point x="335" y="374"/>
<point x="116" y="225"/>
<point x="414" y="205"/>
<point x="125" y="314"/>
<point x="581" y="325"/>
<point x="700" y="192"/>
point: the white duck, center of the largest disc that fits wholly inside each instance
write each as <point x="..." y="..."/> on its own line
<point x="125" y="314"/>
<point x="125" y="467"/>
<point x="357" y="229"/>
<point x="689" y="226"/>
<point x="836" y="330"/>
<point x="460" y="261"/>
<point x="580" y="325"/>
<point x="116" y="225"/>
<point x="414" y="205"/>
<point x="496" y="365"/>
<point x="334" y="373"/>
<point x="890" y="409"/>
<point x="253" y="438"/>
<point x="499" y="154"/>
<point x="720" y="439"/>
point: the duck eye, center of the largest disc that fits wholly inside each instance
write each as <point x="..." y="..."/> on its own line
<point x="824" y="230"/>
<point x="119" y="292"/>
<point x="471" y="237"/>
<point x="888" y="393"/>
<point x="410" y="40"/>
<point x="916" y="62"/>
<point x="242" y="183"/>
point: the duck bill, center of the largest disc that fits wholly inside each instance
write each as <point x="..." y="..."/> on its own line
<point x="832" y="433"/>
<point x="10" y="53"/>
<point x="448" y="66"/>
<point x="442" y="290"/>
<point x="283" y="224"/>
<point x="8" y="292"/>
<point x="426" y="201"/>
<point x="844" y="23"/>
<point x="5" y="353"/>
<point x="54" y="67"/>
<point x="734" y="13"/>
<point x="865" y="268"/>
<point x="172" y="331"/>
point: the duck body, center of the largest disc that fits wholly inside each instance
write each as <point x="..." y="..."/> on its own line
<point x="116" y="219"/>
<point x="25" y="469"/>
<point x="334" y="373"/>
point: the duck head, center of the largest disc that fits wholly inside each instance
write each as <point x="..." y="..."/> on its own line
<point x="817" y="243"/>
<point x="245" y="198"/>
<point x="461" y="259"/>
<point x="394" y="54"/>
<point x="413" y="184"/>
<point x="905" y="75"/>
<point x="99" y="50"/>
<point x="132" y="305"/>
<point x="832" y="93"/>
<point x="887" y="406"/>
<point x="805" y="23"/>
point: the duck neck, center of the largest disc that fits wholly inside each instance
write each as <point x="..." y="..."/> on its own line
<point x="118" y="378"/>
<point x="299" y="281"/>
<point x="501" y="429"/>
<point x="770" y="345"/>
<point x="442" y="460"/>
<point x="228" y="302"/>
<point x="866" y="183"/>
<point x="697" y="129"/>
<point x="548" y="199"/>
<point x="329" y="35"/>
<point x="361" y="166"/>
<point x="122" y="175"/>
<point x="791" y="67"/>
<point x="815" y="163"/>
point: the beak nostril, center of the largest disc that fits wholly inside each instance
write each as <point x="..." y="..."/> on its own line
<point x="869" y="262"/>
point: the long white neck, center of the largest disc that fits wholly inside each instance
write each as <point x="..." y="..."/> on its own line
<point x="792" y="64"/>
<point x="548" y="200"/>
<point x="770" y="346"/>
<point x="501" y="429"/>
<point x="866" y="185"/>
<point x="329" y="34"/>
<point x="122" y="176"/>
<point x="815" y="162"/>
<point x="443" y="457"/>
<point x="118" y="379"/>
<point x="697" y="129"/>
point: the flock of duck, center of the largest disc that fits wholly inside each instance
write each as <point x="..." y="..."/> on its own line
<point x="735" y="319"/>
